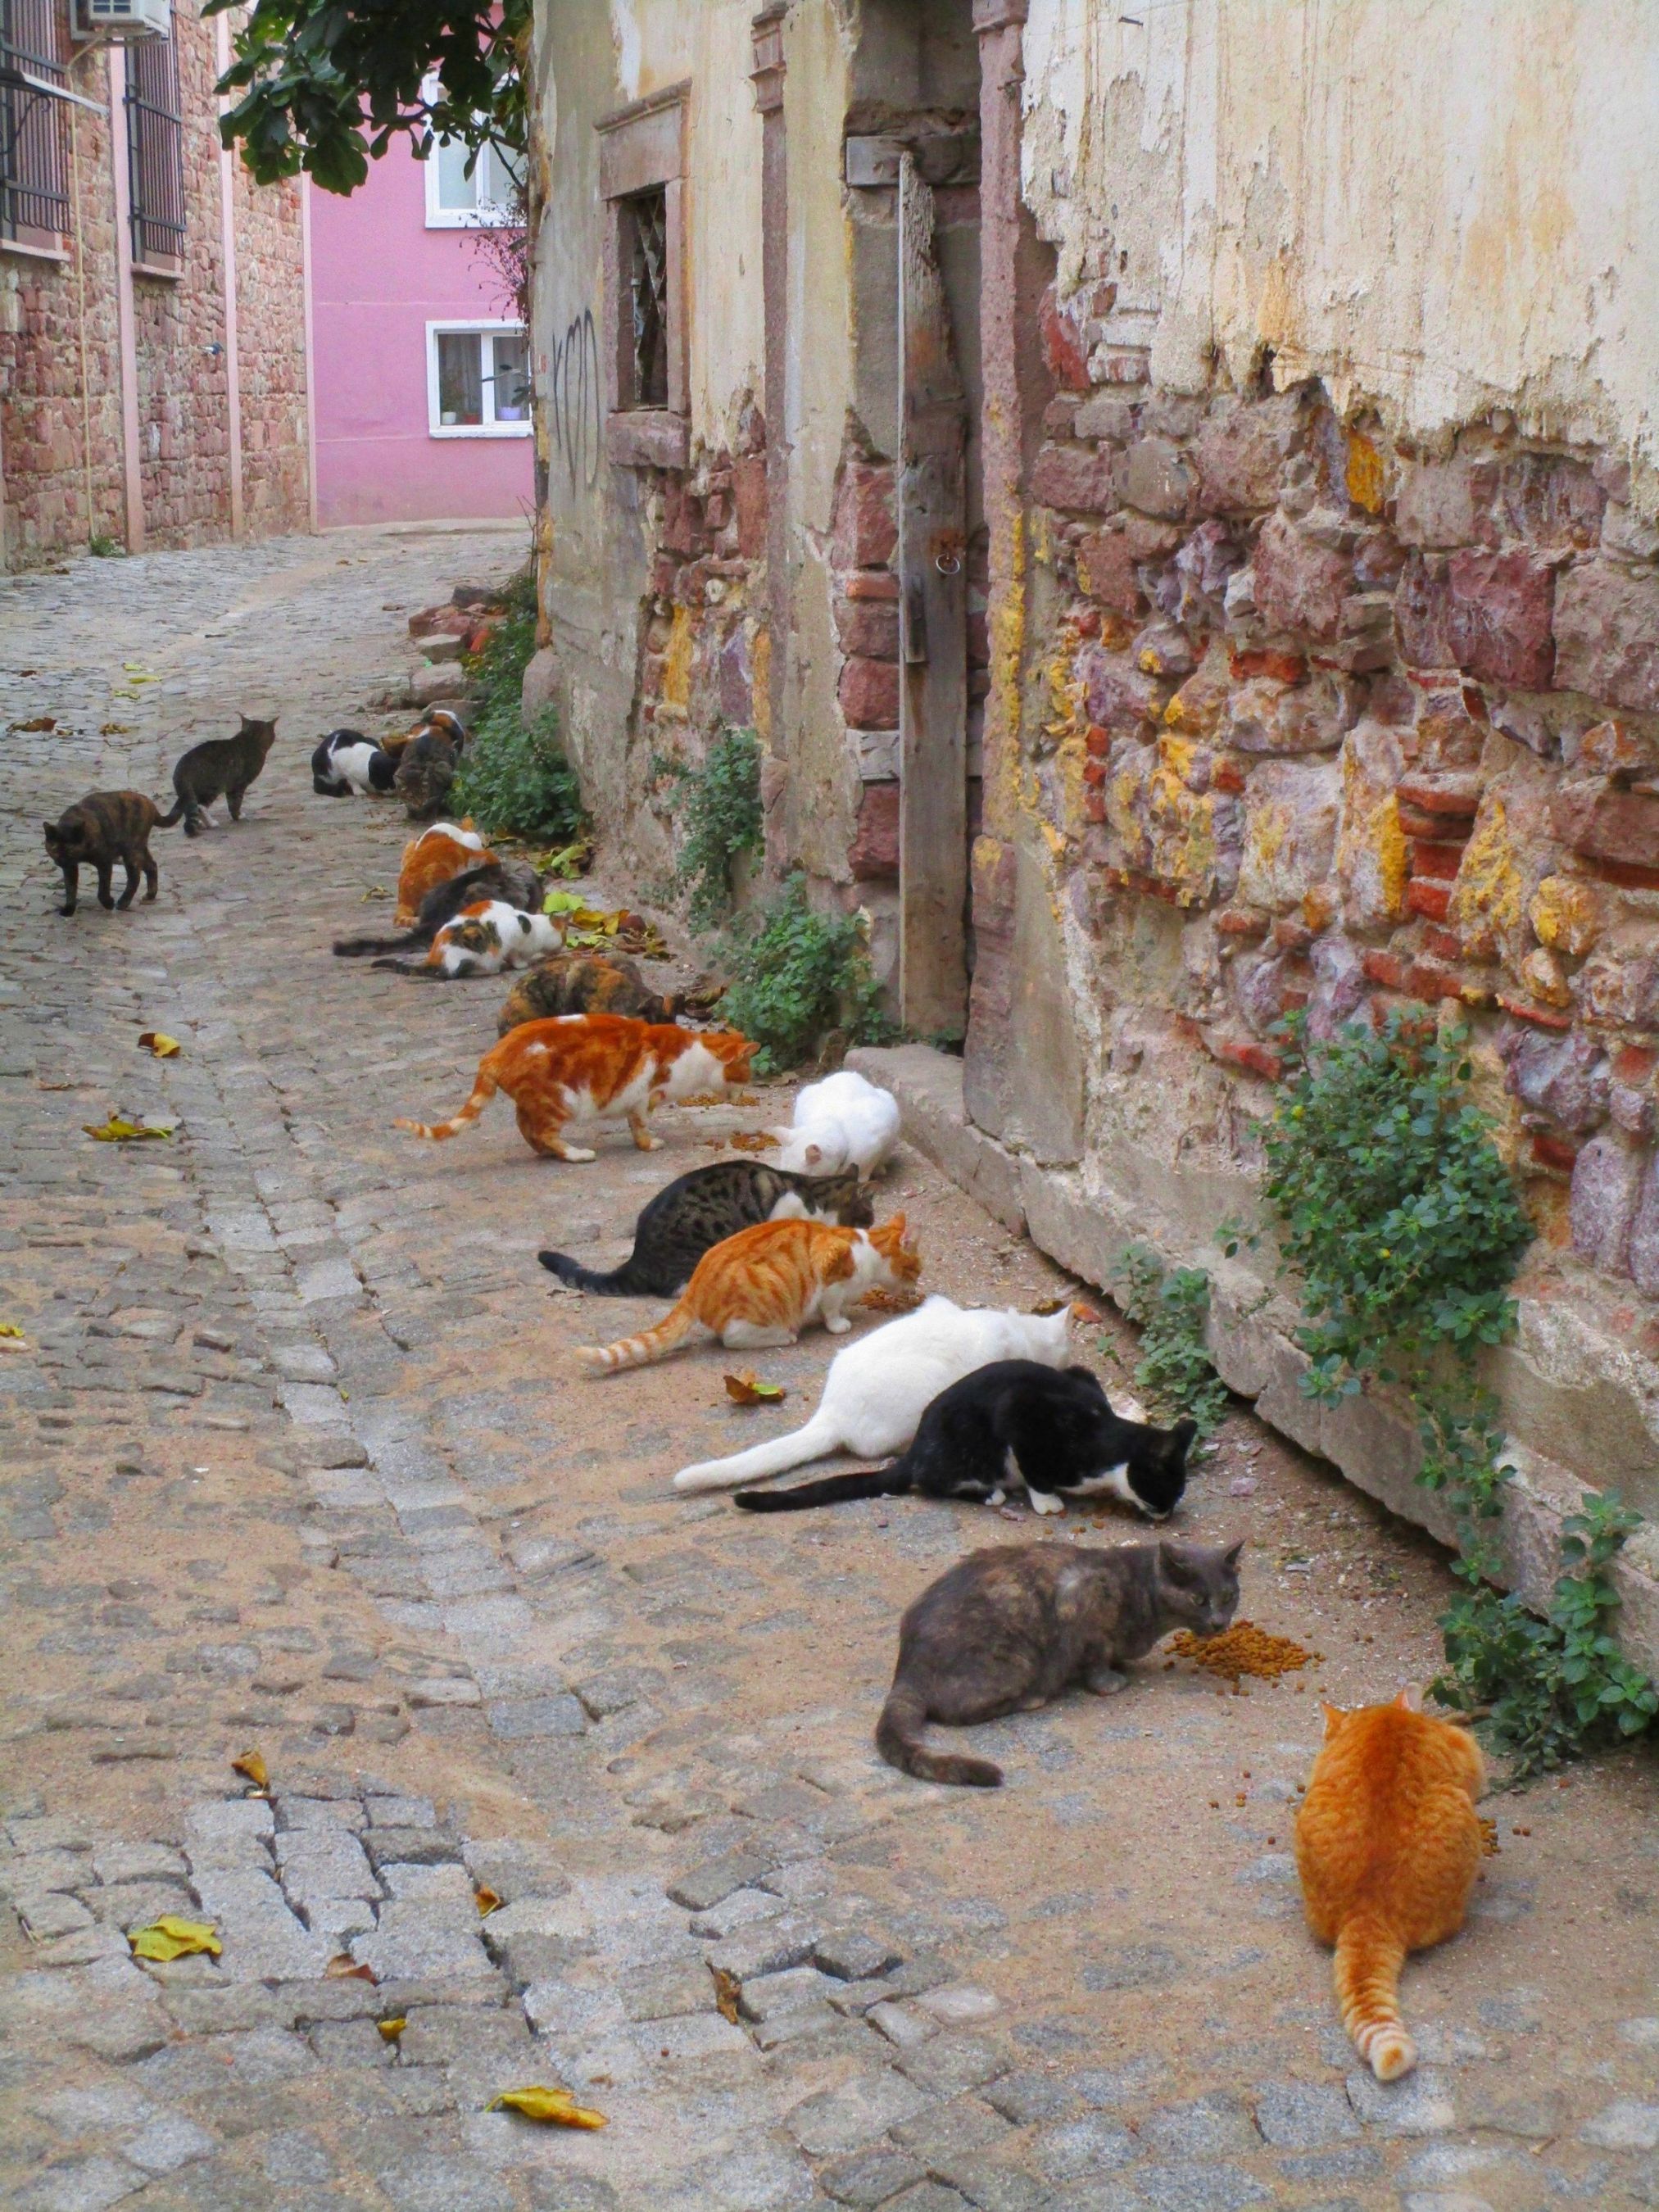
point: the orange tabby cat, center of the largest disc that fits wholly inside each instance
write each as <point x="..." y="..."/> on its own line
<point x="1386" y="1844"/>
<point x="432" y="859"/>
<point x="764" y="1285"/>
<point x="596" y="1067"/>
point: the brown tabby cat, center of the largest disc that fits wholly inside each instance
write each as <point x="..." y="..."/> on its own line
<point x="584" y="983"/>
<point x="595" y="1067"/>
<point x="1387" y="1846"/>
<point x="766" y="1284"/>
<point x="97" y="831"/>
<point x="223" y="767"/>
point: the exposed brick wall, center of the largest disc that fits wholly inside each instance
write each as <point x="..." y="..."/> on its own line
<point x="1380" y="727"/>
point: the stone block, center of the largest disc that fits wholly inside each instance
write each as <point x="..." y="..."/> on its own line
<point x="863" y="534"/>
<point x="1443" y="504"/>
<point x="869" y="694"/>
<point x="1240" y="451"/>
<point x="859" y="2113"/>
<point x="868" y="628"/>
<point x="1489" y="614"/>
<point x="1119" y="694"/>
<point x="1299" y="585"/>
<point x="1605" y="1186"/>
<point x="873" y="855"/>
<point x="1290" y="812"/>
<point x="1596" y="817"/>
<point x="1607" y="629"/>
<point x="1074" y="478"/>
<point x="1159" y="481"/>
<point x="263" y="1940"/>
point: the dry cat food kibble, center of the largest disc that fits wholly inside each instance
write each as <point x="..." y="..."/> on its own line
<point x="1244" y="1648"/>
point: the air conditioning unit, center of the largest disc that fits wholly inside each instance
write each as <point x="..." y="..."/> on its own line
<point x="123" y="19"/>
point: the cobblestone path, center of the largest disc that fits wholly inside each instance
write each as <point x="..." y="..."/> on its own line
<point x="295" y="1459"/>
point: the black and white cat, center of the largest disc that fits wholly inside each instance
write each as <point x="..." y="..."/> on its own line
<point x="1017" y="1424"/>
<point x="346" y="762"/>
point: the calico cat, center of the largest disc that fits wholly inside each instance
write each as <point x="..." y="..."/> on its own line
<point x="845" y="1121"/>
<point x="442" y="721"/>
<point x="593" y="1067"/>
<point x="1387" y="1846"/>
<point x="97" y="831"/>
<point x="584" y="983"/>
<point x="483" y="939"/>
<point x="1007" y="1630"/>
<point x="223" y="767"/>
<point x="444" y="850"/>
<point x="427" y="768"/>
<point x="346" y="762"/>
<point x="697" y="1211"/>
<point x="515" y="881"/>
<point x="1015" y="1421"/>
<point x="877" y="1390"/>
<point x="766" y="1284"/>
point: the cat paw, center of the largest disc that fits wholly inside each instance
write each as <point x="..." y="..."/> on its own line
<point x="1040" y="1502"/>
<point x="837" y="1324"/>
<point x="1105" y="1682"/>
<point x="578" y="1153"/>
<point x="648" y="1144"/>
<point x="997" y="1497"/>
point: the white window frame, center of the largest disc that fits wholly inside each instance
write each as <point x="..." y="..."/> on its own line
<point x="491" y="217"/>
<point x="471" y="326"/>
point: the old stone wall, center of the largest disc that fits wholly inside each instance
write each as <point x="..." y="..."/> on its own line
<point x="270" y="280"/>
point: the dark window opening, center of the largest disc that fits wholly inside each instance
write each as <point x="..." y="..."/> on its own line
<point x="647" y="233"/>
<point x="156" y="154"/>
<point x="33" y="191"/>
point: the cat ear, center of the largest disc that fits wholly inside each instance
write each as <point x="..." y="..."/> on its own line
<point x="1231" y="1554"/>
<point x="1181" y="1438"/>
<point x="895" y="1223"/>
<point x="1410" y="1700"/>
<point x="813" y="1154"/>
<point x="1335" y="1716"/>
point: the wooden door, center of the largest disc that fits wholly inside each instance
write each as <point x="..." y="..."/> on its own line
<point x="932" y="516"/>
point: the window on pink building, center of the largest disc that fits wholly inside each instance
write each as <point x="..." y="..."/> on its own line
<point x="477" y="380"/>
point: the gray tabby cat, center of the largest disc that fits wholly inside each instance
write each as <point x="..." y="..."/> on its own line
<point x="1007" y="1630"/>
<point x="223" y="767"/>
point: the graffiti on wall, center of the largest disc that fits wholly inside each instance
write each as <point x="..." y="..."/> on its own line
<point x="576" y="403"/>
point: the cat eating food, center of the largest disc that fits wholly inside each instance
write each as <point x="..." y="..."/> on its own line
<point x="584" y="983"/>
<point x="515" y="881"/>
<point x="427" y="762"/>
<point x="1016" y="1422"/>
<point x="877" y="1390"/>
<point x="447" y="849"/>
<point x="485" y="938"/>
<point x="1006" y="1630"/>
<point x="701" y="1209"/>
<point x="765" y="1284"/>
<point x="97" y="831"/>
<point x="845" y="1121"/>
<point x="223" y="767"/>
<point x="596" y="1067"/>
<point x="1387" y="1846"/>
<point x="346" y="762"/>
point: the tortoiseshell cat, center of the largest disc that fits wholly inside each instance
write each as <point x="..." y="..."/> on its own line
<point x="97" y="831"/>
<point x="583" y="983"/>
<point x="223" y="767"/>
<point x="697" y="1211"/>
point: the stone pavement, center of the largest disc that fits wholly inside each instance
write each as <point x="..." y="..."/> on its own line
<point x="295" y="1457"/>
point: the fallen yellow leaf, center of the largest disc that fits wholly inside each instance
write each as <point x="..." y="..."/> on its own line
<point x="726" y="1989"/>
<point x="117" y="1131"/>
<point x="558" y="2107"/>
<point x="171" y="1938"/>
<point x="747" y="1390"/>
<point x="254" y="1767"/>
<point x="9" y="1328"/>
<point x="343" y="1967"/>
<point x="376" y="892"/>
<point x="159" y="1042"/>
<point x="391" y="2029"/>
<point x="487" y="1901"/>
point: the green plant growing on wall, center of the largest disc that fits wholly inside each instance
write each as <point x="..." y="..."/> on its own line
<point x="797" y="975"/>
<point x="514" y="778"/>
<point x="1405" y="1227"/>
<point x="721" y="811"/>
<point x="1174" y="1371"/>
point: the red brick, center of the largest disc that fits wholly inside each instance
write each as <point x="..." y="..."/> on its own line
<point x="1439" y="861"/>
<point x="1445" y="943"/>
<point x="1524" y="1010"/>
<point x="1094" y="773"/>
<point x="1106" y="570"/>
<point x="1425" y="896"/>
<point x="1599" y="820"/>
<point x="1227" y="774"/>
<point x="869" y="694"/>
<point x="1283" y="667"/>
<point x="868" y="628"/>
<point x="1245" y="921"/>
<point x="864" y="534"/>
<point x="1064" y="350"/>
<point x="1554" y="1152"/>
<point x="1627" y="876"/>
<point x="1094" y="809"/>
<point x="1633" y="1065"/>
<point x="1454" y="794"/>
<point x="874" y="852"/>
<point x="871" y="584"/>
<point x="1245" y="1054"/>
<point x="748" y="487"/>
<point x="1384" y="968"/>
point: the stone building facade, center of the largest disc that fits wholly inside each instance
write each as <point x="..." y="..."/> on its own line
<point x="152" y="382"/>
<point x="1309" y="637"/>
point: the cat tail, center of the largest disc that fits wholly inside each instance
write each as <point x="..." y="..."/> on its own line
<point x="1366" y="1971"/>
<point x="819" y="1437"/>
<point x="640" y="1350"/>
<point x="358" y="948"/>
<point x="618" y="1284"/>
<point x="482" y="1091"/>
<point x="180" y="806"/>
<point x="898" y="1739"/>
<point x="883" y="1482"/>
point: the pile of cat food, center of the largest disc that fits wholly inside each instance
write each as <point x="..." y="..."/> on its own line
<point x="1244" y="1648"/>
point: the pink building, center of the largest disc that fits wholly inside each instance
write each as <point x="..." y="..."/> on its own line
<point x="420" y="368"/>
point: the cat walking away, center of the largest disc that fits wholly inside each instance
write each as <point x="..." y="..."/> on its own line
<point x="1007" y="1630"/>
<point x="699" y="1210"/>
<point x="97" y="831"/>
<point x="1387" y="1846"/>
<point x="346" y="762"/>
<point x="515" y="881"/>
<point x="1014" y="1422"/>
<point x="484" y="938"/>
<point x="845" y="1121"/>
<point x="877" y="1389"/>
<point x="765" y="1284"/>
<point x="596" y="1067"/>
<point x="223" y="767"/>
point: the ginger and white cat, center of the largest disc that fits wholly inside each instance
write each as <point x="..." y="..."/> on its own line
<point x="596" y="1067"/>
<point x="845" y="1121"/>
<point x="432" y="859"/>
<point x="1387" y="1846"/>
<point x="877" y="1390"/>
<point x="484" y="938"/>
<point x="766" y="1284"/>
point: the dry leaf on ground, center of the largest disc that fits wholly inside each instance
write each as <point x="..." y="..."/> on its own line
<point x="39" y="722"/>
<point x="726" y="1989"/>
<point x="115" y="729"/>
<point x="486" y="1901"/>
<point x="375" y="891"/>
<point x="747" y="1390"/>
<point x="557" y="2106"/>
<point x="343" y="1967"/>
<point x="253" y="1765"/>
<point x="119" y="1131"/>
<point x="159" y="1042"/>
<point x="391" y="2029"/>
<point x="171" y="1938"/>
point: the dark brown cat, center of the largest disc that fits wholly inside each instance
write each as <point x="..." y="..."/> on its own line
<point x="97" y="831"/>
<point x="1007" y="1630"/>
<point x="223" y="767"/>
<point x="426" y="766"/>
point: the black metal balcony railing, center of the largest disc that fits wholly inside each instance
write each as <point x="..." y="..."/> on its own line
<point x="155" y="153"/>
<point x="34" y="186"/>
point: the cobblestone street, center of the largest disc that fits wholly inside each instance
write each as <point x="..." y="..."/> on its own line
<point x="297" y="1457"/>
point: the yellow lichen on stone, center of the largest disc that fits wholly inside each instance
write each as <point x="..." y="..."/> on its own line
<point x="677" y="663"/>
<point x="760" y="663"/>
<point x="1564" y="916"/>
<point x="1366" y="476"/>
<point x="1372" y="859"/>
<point x="1541" y="973"/>
<point x="1181" y="823"/>
<point x="1319" y="907"/>
<point x="1489" y="896"/>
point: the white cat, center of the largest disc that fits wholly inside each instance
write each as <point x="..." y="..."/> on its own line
<point x="484" y="939"/>
<point x="844" y="1121"/>
<point x="877" y="1389"/>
